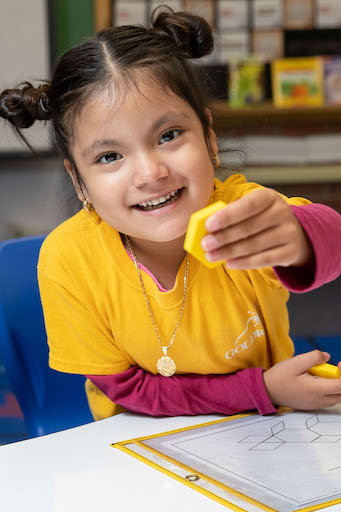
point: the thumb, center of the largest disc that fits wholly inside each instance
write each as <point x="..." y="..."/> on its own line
<point x="304" y="362"/>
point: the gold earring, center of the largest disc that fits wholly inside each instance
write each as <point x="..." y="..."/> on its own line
<point x="216" y="160"/>
<point x="87" y="206"/>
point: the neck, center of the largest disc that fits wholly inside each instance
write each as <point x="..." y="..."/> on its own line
<point x="162" y="259"/>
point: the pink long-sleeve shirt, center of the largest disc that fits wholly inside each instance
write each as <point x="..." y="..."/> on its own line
<point x="142" y="392"/>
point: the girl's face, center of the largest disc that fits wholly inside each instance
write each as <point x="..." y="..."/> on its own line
<point x="145" y="164"/>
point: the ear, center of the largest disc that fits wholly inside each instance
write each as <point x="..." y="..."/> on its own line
<point x="78" y="187"/>
<point x="212" y="135"/>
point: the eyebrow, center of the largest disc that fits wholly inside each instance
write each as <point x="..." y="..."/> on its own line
<point x="167" y="117"/>
<point x="100" y="143"/>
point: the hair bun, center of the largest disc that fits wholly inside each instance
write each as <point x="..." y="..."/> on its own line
<point x="191" y="33"/>
<point x="23" y="106"/>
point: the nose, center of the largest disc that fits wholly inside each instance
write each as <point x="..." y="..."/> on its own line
<point x="148" y="170"/>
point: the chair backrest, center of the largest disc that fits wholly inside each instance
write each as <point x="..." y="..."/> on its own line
<point x="315" y="320"/>
<point x="50" y="401"/>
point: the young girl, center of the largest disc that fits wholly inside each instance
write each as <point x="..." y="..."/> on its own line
<point x="155" y="331"/>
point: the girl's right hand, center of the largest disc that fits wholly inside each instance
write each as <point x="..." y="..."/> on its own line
<point x="288" y="383"/>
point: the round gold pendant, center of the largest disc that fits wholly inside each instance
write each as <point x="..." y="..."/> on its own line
<point x="166" y="366"/>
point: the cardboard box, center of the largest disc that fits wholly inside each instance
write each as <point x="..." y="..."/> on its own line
<point x="280" y="150"/>
<point x="268" y="44"/>
<point x="298" y="14"/>
<point x="232" y="14"/>
<point x="328" y="13"/>
<point x="267" y="13"/>
<point x="297" y="82"/>
<point x="246" y="82"/>
<point x="332" y="80"/>
<point x="234" y="45"/>
<point x="293" y="150"/>
<point x="130" y="12"/>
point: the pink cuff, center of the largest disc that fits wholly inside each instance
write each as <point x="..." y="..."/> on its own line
<point x="323" y="228"/>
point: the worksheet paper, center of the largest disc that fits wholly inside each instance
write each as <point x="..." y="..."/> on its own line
<point x="284" y="462"/>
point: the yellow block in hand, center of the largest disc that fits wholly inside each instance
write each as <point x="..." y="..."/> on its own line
<point x="328" y="371"/>
<point x="196" y="231"/>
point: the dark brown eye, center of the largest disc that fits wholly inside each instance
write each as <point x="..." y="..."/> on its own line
<point x="169" y="136"/>
<point x="108" y="158"/>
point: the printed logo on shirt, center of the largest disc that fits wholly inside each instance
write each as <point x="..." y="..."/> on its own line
<point x="253" y="331"/>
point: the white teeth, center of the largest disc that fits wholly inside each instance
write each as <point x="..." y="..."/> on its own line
<point x="161" y="199"/>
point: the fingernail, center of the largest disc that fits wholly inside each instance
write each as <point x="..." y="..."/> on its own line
<point x="231" y="264"/>
<point x="211" y="224"/>
<point x="208" y="243"/>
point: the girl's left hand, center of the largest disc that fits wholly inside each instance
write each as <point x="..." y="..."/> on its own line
<point x="258" y="230"/>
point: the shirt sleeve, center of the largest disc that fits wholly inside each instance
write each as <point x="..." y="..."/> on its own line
<point x="323" y="228"/>
<point x="191" y="394"/>
<point x="80" y="340"/>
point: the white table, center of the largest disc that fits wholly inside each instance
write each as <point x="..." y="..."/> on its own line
<point x="78" y="471"/>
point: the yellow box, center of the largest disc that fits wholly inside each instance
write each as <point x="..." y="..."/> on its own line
<point x="196" y="231"/>
<point x="328" y="371"/>
<point x="297" y="82"/>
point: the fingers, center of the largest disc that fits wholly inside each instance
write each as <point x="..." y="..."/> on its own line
<point x="239" y="249"/>
<point x="245" y="208"/>
<point x="258" y="230"/>
<point x="261" y="250"/>
<point x="289" y="383"/>
<point x="303" y="362"/>
<point x="277" y="256"/>
<point x="331" y="400"/>
<point x="240" y="231"/>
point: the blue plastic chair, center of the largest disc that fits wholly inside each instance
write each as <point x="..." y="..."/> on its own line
<point x="50" y="401"/>
<point x="316" y="321"/>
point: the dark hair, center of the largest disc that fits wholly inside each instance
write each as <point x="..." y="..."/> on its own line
<point x="115" y="56"/>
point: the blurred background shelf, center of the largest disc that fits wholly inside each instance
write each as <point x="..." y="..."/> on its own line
<point x="251" y="116"/>
<point x="286" y="175"/>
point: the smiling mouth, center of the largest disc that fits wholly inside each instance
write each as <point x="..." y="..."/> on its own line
<point x="156" y="204"/>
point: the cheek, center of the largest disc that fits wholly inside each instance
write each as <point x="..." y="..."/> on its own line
<point x="198" y="163"/>
<point x="104" y="185"/>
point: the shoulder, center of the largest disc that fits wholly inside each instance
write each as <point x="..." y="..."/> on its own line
<point x="233" y="188"/>
<point x="68" y="240"/>
<point x="237" y="186"/>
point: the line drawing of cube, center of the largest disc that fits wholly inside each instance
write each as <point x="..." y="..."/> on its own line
<point x="311" y="431"/>
<point x="254" y="439"/>
<point x="312" y="421"/>
<point x="277" y="428"/>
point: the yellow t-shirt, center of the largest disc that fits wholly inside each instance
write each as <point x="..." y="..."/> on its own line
<point x="97" y="321"/>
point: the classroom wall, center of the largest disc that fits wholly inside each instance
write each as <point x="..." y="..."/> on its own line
<point x="24" y="55"/>
<point x="35" y="191"/>
<point x="35" y="196"/>
<point x="28" y="190"/>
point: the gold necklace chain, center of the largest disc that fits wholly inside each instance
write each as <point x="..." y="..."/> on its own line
<point x="165" y="364"/>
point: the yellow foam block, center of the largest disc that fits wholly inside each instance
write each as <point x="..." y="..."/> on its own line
<point x="328" y="371"/>
<point x="196" y="231"/>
